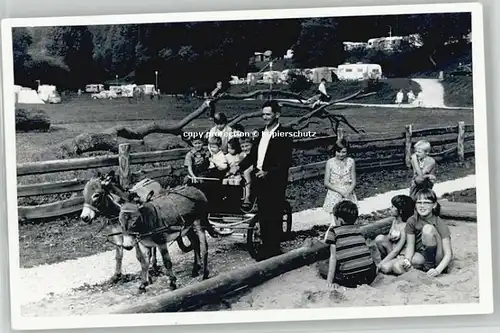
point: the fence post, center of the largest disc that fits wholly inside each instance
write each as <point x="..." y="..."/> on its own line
<point x="124" y="164"/>
<point x="460" y="141"/>
<point x="408" y="131"/>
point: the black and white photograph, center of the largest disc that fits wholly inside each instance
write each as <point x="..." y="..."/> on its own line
<point x="247" y="166"/>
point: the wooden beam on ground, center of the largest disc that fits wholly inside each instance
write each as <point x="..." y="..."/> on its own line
<point x="214" y="288"/>
<point x="55" y="209"/>
<point x="458" y="211"/>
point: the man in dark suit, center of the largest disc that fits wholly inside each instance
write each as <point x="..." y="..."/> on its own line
<point x="271" y="156"/>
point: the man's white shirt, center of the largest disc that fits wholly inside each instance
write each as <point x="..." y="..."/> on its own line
<point x="263" y="144"/>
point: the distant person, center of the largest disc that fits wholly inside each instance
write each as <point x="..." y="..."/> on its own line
<point x="340" y="178"/>
<point x="411" y="97"/>
<point x="351" y="263"/>
<point x="213" y="94"/>
<point x="322" y="95"/>
<point x="399" y="97"/>
<point x="424" y="168"/>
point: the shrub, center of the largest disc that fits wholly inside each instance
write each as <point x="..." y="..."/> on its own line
<point x="32" y="120"/>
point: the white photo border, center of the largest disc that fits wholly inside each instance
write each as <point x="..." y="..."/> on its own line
<point x="485" y="304"/>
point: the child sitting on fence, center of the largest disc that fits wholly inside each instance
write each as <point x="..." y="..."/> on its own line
<point x="196" y="160"/>
<point x="424" y="168"/>
<point x="351" y="263"/>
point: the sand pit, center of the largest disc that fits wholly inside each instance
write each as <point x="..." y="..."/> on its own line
<point x="303" y="288"/>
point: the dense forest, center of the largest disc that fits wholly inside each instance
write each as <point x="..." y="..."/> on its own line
<point x="197" y="54"/>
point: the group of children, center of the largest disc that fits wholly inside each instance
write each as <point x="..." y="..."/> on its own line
<point x="417" y="238"/>
<point x="215" y="156"/>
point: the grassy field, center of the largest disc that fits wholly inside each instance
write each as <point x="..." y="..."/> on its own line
<point x="83" y="114"/>
<point x="458" y="91"/>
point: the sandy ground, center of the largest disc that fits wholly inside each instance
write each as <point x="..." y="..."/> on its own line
<point x="301" y="288"/>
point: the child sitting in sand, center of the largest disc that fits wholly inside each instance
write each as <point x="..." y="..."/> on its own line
<point x="424" y="168"/>
<point x="428" y="237"/>
<point x="351" y="263"/>
<point x="196" y="160"/>
<point x="391" y="245"/>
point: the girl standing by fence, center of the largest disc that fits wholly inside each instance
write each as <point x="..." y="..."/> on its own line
<point x="340" y="178"/>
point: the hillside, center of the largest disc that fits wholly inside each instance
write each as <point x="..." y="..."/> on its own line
<point x="385" y="90"/>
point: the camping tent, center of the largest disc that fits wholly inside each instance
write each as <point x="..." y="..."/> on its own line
<point x="28" y="96"/>
<point x="49" y="94"/>
<point x="321" y="73"/>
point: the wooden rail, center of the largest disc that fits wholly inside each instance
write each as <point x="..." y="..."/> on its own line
<point x="398" y="146"/>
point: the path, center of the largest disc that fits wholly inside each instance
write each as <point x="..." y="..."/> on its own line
<point x="432" y="95"/>
<point x="38" y="282"/>
<point x="432" y="92"/>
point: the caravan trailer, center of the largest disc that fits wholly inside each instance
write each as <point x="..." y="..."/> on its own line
<point x="359" y="72"/>
<point x="94" y="88"/>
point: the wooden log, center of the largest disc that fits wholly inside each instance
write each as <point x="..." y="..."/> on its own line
<point x="64" y="186"/>
<point x="458" y="210"/>
<point x="124" y="165"/>
<point x="372" y="137"/>
<point x="373" y="229"/>
<point x="158" y="156"/>
<point x="460" y="141"/>
<point x="408" y="134"/>
<point x="50" y="210"/>
<point x="469" y="128"/>
<point x="32" y="168"/>
<point x="207" y="291"/>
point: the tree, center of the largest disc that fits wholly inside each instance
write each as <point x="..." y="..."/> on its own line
<point x="21" y="41"/>
<point x="319" y="43"/>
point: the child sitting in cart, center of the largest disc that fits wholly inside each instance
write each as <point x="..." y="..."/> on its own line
<point x="233" y="157"/>
<point x="196" y="160"/>
<point x="218" y="163"/>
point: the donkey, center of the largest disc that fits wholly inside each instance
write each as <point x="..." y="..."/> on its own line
<point x="160" y="221"/>
<point x="101" y="197"/>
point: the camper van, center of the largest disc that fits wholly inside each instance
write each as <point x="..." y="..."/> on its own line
<point x="359" y="72"/>
<point x="94" y="88"/>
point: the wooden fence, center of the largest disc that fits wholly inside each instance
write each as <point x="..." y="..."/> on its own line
<point x="397" y="146"/>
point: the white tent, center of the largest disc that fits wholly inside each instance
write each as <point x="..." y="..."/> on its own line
<point x="48" y="93"/>
<point x="28" y="96"/>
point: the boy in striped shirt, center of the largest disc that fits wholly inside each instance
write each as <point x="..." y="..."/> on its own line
<point x="351" y="263"/>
